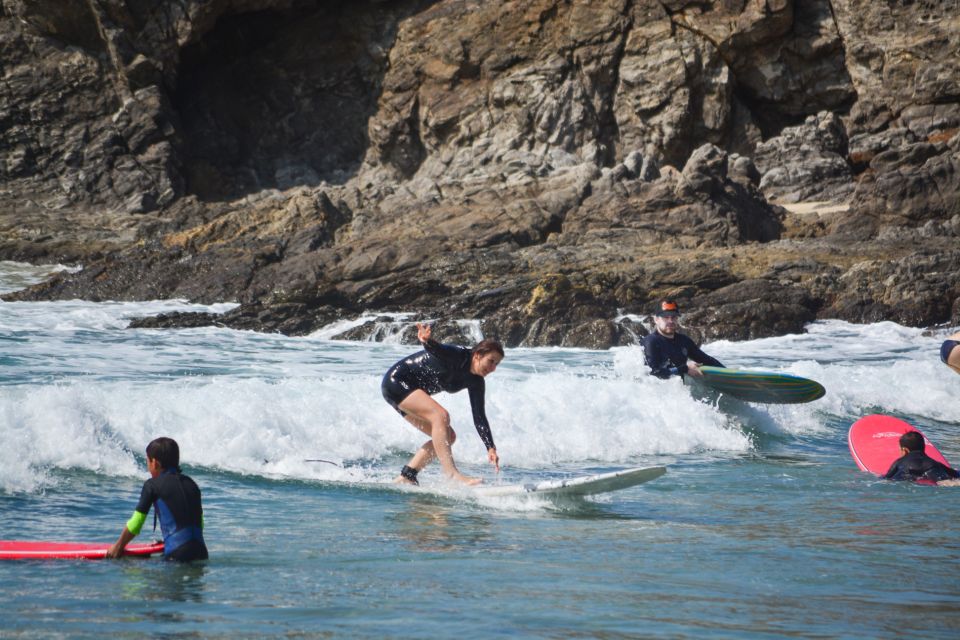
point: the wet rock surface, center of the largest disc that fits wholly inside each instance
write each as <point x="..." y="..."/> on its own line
<point x="546" y="170"/>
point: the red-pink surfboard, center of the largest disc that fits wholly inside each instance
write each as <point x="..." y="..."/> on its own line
<point x="25" y="549"/>
<point x="875" y="442"/>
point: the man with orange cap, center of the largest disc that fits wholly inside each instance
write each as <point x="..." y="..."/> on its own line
<point x="670" y="353"/>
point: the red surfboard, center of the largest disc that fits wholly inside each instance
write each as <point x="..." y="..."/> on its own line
<point x="24" y="549"/>
<point x="875" y="442"/>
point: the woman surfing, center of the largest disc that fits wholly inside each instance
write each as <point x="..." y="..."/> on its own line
<point x="409" y="384"/>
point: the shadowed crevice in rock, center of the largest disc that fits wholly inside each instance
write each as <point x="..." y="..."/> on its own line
<point x="605" y="81"/>
<point x="814" y="49"/>
<point x="280" y="99"/>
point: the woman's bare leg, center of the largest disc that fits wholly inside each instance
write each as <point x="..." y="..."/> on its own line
<point x="426" y="414"/>
<point x="426" y="453"/>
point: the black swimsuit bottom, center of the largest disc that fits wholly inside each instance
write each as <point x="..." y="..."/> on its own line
<point x="946" y="348"/>
<point x="396" y="386"/>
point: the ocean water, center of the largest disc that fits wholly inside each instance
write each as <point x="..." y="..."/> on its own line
<point x="763" y="527"/>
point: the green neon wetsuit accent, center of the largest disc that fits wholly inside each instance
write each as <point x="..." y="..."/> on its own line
<point x="135" y="523"/>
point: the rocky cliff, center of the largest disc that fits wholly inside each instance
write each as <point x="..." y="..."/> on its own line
<point x="548" y="167"/>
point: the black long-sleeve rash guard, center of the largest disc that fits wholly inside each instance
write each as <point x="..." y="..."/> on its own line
<point x="917" y="465"/>
<point x="668" y="356"/>
<point x="444" y="367"/>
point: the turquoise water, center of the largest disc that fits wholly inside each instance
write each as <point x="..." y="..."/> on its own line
<point x="762" y="527"/>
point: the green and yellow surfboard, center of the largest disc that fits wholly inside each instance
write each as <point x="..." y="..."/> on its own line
<point x="761" y="386"/>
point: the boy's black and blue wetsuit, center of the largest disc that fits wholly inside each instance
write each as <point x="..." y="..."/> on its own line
<point x="917" y="465"/>
<point x="668" y="356"/>
<point x="175" y="498"/>
<point x="439" y="367"/>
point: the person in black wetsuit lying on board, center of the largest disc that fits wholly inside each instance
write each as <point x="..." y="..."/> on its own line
<point x="914" y="464"/>
<point x="670" y="353"/>
<point x="408" y="385"/>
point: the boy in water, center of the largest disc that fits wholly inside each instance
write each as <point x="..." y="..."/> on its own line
<point x="914" y="464"/>
<point x="175" y="498"/>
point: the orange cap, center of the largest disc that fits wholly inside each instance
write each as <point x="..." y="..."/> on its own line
<point x="668" y="308"/>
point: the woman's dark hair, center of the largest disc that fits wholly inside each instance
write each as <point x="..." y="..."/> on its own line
<point x="166" y="451"/>
<point x="486" y="346"/>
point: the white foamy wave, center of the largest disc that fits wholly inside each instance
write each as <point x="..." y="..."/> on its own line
<point x="19" y="275"/>
<point x="922" y="388"/>
<point x="388" y="327"/>
<point x="472" y="329"/>
<point x="556" y="417"/>
<point x="78" y="315"/>
<point x="877" y="367"/>
<point x="245" y="426"/>
<point x="80" y="391"/>
<point x="62" y="427"/>
<point x="826" y="341"/>
<point x="282" y="427"/>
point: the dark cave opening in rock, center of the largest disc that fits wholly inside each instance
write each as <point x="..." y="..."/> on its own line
<point x="278" y="99"/>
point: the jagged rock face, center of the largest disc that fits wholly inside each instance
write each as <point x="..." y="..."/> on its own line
<point x="806" y="162"/>
<point x="78" y="134"/>
<point x="544" y="166"/>
<point x="902" y="54"/>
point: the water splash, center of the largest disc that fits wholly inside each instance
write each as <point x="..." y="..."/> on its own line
<point x="78" y="390"/>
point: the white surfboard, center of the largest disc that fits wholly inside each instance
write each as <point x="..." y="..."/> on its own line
<point x="578" y="486"/>
<point x="568" y="487"/>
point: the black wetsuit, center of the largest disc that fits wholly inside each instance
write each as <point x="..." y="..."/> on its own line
<point x="668" y="356"/>
<point x="917" y="465"/>
<point x="439" y="367"/>
<point x="175" y="498"/>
